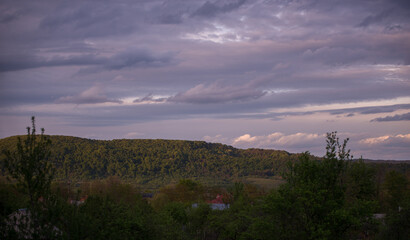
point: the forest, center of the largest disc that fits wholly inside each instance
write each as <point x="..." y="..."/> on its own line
<point x="149" y="161"/>
<point x="56" y="187"/>
<point x="156" y="161"/>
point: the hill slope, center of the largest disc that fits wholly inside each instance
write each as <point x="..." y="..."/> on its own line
<point x="159" y="161"/>
<point x="79" y="158"/>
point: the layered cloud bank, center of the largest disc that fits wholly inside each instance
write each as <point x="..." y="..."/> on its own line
<point x="264" y="73"/>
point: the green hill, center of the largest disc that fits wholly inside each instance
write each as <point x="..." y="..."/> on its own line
<point x="160" y="161"/>
<point x="79" y="158"/>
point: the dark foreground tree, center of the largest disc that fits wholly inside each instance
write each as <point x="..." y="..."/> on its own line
<point x="29" y="168"/>
<point x="312" y="203"/>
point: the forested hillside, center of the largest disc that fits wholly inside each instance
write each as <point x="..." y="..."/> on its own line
<point x="79" y="158"/>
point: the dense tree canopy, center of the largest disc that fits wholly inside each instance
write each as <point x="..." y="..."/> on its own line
<point x="78" y="158"/>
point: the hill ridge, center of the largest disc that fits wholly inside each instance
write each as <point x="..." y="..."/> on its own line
<point x="148" y="159"/>
<point x="131" y="158"/>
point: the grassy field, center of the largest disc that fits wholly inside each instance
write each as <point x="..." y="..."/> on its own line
<point x="265" y="183"/>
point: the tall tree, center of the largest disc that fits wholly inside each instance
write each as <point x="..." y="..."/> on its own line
<point x="311" y="205"/>
<point x="33" y="173"/>
<point x="29" y="166"/>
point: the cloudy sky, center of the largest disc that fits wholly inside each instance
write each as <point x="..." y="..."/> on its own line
<point x="270" y="74"/>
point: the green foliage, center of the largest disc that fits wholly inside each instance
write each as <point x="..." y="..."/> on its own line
<point x="152" y="160"/>
<point x="360" y="198"/>
<point x="29" y="165"/>
<point x="237" y="190"/>
<point x="106" y="219"/>
<point x="172" y="220"/>
<point x="361" y="182"/>
<point x="233" y="223"/>
<point x="158" y="162"/>
<point x="397" y="190"/>
<point x="397" y="222"/>
<point x="313" y="202"/>
<point x="10" y="198"/>
<point x="114" y="189"/>
<point x="198" y="221"/>
<point x="187" y="191"/>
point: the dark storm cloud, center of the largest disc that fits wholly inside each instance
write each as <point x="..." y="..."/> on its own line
<point x="8" y="15"/>
<point x="12" y="97"/>
<point x="149" y="98"/>
<point x="363" y="48"/>
<point x="170" y="19"/>
<point x="372" y="19"/>
<point x="136" y="58"/>
<point x="87" y="19"/>
<point x="347" y="112"/>
<point x="170" y="12"/>
<point x="210" y="9"/>
<point x="371" y="110"/>
<point x="92" y="95"/>
<point x="21" y="62"/>
<point x="126" y="59"/>
<point x="228" y="110"/>
<point x="387" y="13"/>
<point x="81" y="99"/>
<point x="334" y="95"/>
<point x="78" y="47"/>
<point x="122" y="115"/>
<point x="403" y="4"/>
<point x="217" y="93"/>
<point x="384" y="109"/>
<point x="397" y="117"/>
<point x="300" y="97"/>
<point x="57" y="23"/>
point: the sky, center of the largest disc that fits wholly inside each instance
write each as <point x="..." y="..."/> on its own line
<point x="252" y="74"/>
